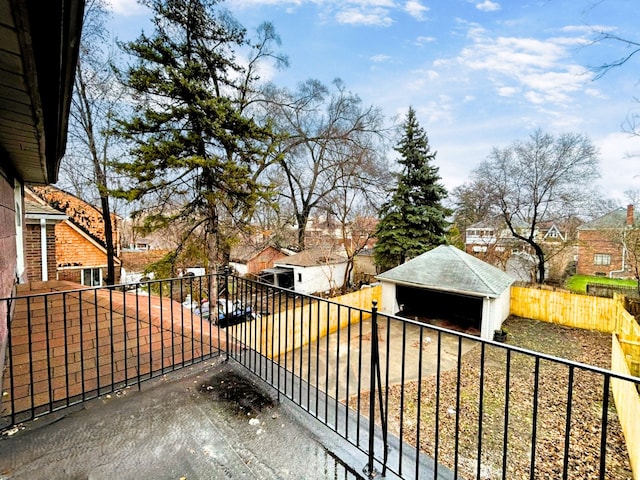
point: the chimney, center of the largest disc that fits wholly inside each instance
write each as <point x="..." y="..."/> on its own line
<point x="630" y="215"/>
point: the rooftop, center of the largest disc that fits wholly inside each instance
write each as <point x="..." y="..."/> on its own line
<point x="449" y="268"/>
<point x="209" y="421"/>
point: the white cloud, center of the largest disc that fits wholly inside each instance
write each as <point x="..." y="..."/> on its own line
<point x="355" y="16"/>
<point x="488" y="6"/>
<point x="380" y="58"/>
<point x="619" y="163"/>
<point x="542" y="68"/>
<point x="422" y="40"/>
<point x="416" y="9"/>
<point x="507" y="91"/>
<point x="126" y="7"/>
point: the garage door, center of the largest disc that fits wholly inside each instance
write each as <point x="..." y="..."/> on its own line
<point x="432" y="304"/>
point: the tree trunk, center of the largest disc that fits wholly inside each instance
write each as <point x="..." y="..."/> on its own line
<point x="108" y="239"/>
<point x="541" y="266"/>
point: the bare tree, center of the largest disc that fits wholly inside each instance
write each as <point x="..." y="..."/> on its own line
<point x="322" y="131"/>
<point x="96" y="98"/>
<point x="358" y="193"/>
<point x="631" y="49"/>
<point x="543" y="179"/>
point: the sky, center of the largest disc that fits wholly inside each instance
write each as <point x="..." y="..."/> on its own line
<point x="479" y="73"/>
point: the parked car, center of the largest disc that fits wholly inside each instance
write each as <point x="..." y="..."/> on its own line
<point x="232" y="312"/>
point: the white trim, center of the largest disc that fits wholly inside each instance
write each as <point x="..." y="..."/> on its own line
<point x="19" y="221"/>
<point x="91" y="268"/>
<point x="43" y="249"/>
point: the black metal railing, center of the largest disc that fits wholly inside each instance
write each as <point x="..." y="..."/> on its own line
<point x="418" y="400"/>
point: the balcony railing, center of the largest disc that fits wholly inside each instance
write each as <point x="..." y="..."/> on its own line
<point x="418" y="400"/>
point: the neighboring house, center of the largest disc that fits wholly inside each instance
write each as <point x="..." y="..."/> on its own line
<point x="40" y="43"/>
<point x="482" y="236"/>
<point x="81" y="254"/>
<point x="364" y="267"/>
<point x="448" y="284"/>
<point x="251" y="260"/>
<point x="40" y="240"/>
<point x="601" y="249"/>
<point x="494" y="243"/>
<point x="315" y="270"/>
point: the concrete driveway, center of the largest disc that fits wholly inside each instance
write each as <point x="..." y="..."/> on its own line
<point x="335" y="363"/>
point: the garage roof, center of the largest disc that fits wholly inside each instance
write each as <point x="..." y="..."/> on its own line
<point x="448" y="268"/>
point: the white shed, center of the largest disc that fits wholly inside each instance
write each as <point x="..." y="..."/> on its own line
<point x="315" y="270"/>
<point x="448" y="283"/>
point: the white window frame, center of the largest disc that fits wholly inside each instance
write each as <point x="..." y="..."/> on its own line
<point x="602" y="259"/>
<point x="92" y="269"/>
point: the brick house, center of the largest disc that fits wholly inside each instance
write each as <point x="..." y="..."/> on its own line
<point x="492" y="242"/>
<point x="40" y="42"/>
<point x="80" y="249"/>
<point x="601" y="249"/>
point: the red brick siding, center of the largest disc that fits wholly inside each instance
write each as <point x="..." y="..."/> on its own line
<point x="8" y="258"/>
<point x="591" y="242"/>
<point x="74" y="249"/>
<point x="33" y="254"/>
<point x="75" y="252"/>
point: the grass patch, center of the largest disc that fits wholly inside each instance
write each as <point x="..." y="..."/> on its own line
<point x="578" y="283"/>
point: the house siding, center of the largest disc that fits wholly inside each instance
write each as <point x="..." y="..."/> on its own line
<point x="33" y="253"/>
<point x="8" y="259"/>
<point x="265" y="259"/>
<point x="592" y="242"/>
<point x="74" y="253"/>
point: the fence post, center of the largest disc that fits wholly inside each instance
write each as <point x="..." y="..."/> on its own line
<point x="369" y="469"/>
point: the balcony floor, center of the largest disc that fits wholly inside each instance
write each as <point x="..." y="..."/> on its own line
<point x="210" y="421"/>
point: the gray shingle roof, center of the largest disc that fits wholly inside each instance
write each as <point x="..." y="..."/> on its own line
<point x="614" y="219"/>
<point x="448" y="268"/>
<point x="313" y="257"/>
<point x="35" y="210"/>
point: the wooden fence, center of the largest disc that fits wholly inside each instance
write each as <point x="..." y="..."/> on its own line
<point x="605" y="315"/>
<point x="565" y="308"/>
<point x="305" y="324"/>
<point x="627" y="405"/>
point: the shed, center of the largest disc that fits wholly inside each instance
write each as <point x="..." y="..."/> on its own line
<point x="447" y="283"/>
<point x="315" y="270"/>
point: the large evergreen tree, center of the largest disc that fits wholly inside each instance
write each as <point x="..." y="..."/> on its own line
<point x="197" y="149"/>
<point x="414" y="220"/>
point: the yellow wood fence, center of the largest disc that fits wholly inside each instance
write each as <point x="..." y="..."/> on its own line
<point x="604" y="315"/>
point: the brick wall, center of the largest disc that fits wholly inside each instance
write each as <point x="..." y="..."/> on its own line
<point x="33" y="254"/>
<point x="75" y="252"/>
<point x="592" y="242"/>
<point x="73" y="249"/>
<point x="8" y="257"/>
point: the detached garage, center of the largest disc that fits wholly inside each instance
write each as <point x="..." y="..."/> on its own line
<point x="447" y="283"/>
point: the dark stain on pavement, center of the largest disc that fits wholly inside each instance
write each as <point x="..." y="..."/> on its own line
<point x="232" y="388"/>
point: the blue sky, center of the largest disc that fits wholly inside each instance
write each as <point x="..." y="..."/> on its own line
<point x="479" y="73"/>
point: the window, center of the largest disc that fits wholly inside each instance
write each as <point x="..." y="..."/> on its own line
<point x="91" y="277"/>
<point x="602" y="259"/>
<point x="299" y="277"/>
